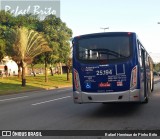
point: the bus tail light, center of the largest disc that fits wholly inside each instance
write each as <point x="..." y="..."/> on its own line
<point x="133" y="82"/>
<point x="76" y="80"/>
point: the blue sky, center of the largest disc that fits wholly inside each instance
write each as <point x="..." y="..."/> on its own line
<point x="140" y="16"/>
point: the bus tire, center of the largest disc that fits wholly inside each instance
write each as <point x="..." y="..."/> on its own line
<point x="146" y="100"/>
<point x="152" y="89"/>
<point x="146" y="95"/>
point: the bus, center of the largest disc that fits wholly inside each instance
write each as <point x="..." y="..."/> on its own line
<point x="111" y="67"/>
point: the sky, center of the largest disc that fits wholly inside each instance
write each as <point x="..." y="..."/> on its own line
<point x="89" y="16"/>
<point x="140" y="16"/>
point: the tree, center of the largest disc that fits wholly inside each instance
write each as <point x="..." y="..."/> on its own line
<point x="8" y="25"/>
<point x="2" y="49"/>
<point x="68" y="65"/>
<point x="5" y="19"/>
<point x="157" y="67"/>
<point x="27" y="45"/>
<point x="37" y="60"/>
<point x="58" y="35"/>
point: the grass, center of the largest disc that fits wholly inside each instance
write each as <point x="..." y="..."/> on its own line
<point x="9" y="85"/>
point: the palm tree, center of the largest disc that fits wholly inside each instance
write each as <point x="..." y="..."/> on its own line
<point x="28" y="44"/>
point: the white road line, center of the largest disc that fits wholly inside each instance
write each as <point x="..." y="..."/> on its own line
<point x="13" y="98"/>
<point x="64" y="90"/>
<point x="50" y="101"/>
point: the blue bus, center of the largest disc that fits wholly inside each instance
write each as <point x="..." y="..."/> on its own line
<point x="111" y="67"/>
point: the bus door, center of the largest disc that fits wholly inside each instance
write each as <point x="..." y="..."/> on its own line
<point x="143" y="74"/>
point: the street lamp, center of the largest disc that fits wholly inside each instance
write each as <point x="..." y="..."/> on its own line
<point x="105" y="28"/>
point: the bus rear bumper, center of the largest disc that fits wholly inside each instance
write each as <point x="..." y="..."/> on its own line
<point x="125" y="96"/>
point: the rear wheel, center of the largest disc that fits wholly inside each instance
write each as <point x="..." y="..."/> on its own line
<point x="146" y="95"/>
<point x="152" y="85"/>
<point x="146" y="100"/>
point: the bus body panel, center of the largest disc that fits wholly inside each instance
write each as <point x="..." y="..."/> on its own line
<point x="109" y="82"/>
<point x="104" y="78"/>
<point x="123" y="96"/>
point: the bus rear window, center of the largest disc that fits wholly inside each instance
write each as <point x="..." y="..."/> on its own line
<point x="103" y="48"/>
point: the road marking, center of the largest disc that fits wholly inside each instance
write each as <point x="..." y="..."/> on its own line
<point x="50" y="100"/>
<point x="63" y="90"/>
<point x="13" y="98"/>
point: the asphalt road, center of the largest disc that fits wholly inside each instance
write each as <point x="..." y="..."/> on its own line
<point x="55" y="110"/>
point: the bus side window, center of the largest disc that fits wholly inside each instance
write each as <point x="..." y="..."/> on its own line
<point x="148" y="61"/>
<point x="139" y="48"/>
<point x="140" y="53"/>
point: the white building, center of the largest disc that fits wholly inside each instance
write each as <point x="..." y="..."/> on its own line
<point x="12" y="66"/>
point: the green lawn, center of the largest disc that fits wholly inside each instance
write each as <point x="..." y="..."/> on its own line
<point x="9" y="85"/>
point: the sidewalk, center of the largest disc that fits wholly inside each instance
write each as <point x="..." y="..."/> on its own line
<point x="156" y="79"/>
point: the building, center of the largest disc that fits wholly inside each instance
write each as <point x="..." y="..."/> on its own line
<point x="12" y="66"/>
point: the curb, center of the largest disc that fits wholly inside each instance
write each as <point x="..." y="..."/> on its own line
<point x="35" y="90"/>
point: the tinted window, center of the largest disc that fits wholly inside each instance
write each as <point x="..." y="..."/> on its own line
<point x="103" y="48"/>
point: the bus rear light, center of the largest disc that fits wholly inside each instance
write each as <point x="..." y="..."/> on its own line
<point x="76" y="80"/>
<point x="133" y="82"/>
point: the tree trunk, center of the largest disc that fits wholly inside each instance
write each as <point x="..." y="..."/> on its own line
<point x="51" y="69"/>
<point x="61" y="71"/>
<point x="34" y="74"/>
<point x="46" y="72"/>
<point x="19" y="70"/>
<point x="68" y="70"/>
<point x="23" y="74"/>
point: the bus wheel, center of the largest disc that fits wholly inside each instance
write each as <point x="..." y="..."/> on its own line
<point x="146" y="100"/>
<point x="146" y="95"/>
<point x="152" y="89"/>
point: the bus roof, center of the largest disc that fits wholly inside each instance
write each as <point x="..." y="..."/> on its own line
<point x="104" y="33"/>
